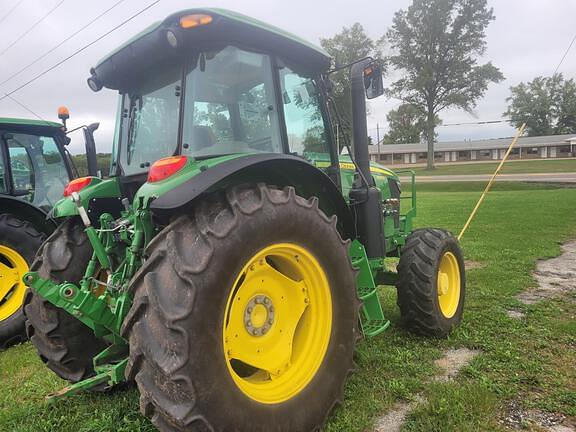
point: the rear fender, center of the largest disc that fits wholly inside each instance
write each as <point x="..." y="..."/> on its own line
<point x="23" y="210"/>
<point x="273" y="169"/>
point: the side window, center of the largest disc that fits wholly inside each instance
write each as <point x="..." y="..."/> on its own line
<point x="304" y="123"/>
<point x="3" y="181"/>
<point x="21" y="167"/>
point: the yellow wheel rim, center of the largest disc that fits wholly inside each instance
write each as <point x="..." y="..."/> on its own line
<point x="448" y="284"/>
<point x="12" y="267"/>
<point x="277" y="324"/>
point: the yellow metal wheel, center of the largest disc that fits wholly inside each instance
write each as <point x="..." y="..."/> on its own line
<point x="448" y="284"/>
<point x="277" y="323"/>
<point x="12" y="267"/>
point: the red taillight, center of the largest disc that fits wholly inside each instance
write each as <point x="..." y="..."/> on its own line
<point x="165" y="167"/>
<point x="77" y="185"/>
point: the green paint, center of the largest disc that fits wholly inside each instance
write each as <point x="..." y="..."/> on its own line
<point x="372" y="320"/>
<point x="98" y="188"/>
<point x="30" y="122"/>
<point x="149" y="191"/>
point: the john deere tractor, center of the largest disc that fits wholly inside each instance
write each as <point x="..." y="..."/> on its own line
<point x="34" y="169"/>
<point x="231" y="261"/>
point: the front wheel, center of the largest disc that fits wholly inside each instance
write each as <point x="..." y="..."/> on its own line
<point x="431" y="282"/>
<point x="244" y="316"/>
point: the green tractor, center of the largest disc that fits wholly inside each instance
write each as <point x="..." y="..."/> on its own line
<point x="34" y="169"/>
<point x="231" y="261"/>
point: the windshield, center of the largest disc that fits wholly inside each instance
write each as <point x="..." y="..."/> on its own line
<point x="39" y="173"/>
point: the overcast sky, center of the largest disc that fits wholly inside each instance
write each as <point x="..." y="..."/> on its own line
<point x="527" y="39"/>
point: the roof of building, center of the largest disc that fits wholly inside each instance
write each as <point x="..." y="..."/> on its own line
<point x="488" y="144"/>
<point x="29" y="122"/>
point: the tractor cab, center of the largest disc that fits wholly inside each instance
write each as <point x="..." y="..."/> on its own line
<point x="205" y="83"/>
<point x="34" y="165"/>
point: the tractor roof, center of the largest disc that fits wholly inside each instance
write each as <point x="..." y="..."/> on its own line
<point x="28" y="122"/>
<point x="150" y="47"/>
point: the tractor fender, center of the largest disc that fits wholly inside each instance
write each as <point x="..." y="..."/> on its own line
<point x="274" y="169"/>
<point x="23" y="210"/>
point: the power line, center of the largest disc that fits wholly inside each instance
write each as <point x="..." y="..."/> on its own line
<point x="24" y="106"/>
<point x="62" y="42"/>
<point x="10" y="11"/>
<point x="475" y="123"/>
<point x="564" y="56"/>
<point x="78" y="51"/>
<point x="32" y="27"/>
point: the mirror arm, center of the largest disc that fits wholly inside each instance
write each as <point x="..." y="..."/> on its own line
<point x="339" y="68"/>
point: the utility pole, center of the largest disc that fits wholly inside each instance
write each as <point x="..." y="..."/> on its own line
<point x="378" y="141"/>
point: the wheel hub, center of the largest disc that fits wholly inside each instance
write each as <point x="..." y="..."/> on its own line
<point x="259" y="315"/>
<point x="12" y="289"/>
<point x="444" y="283"/>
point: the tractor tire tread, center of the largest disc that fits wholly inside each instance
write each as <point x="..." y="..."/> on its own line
<point x="24" y="236"/>
<point x="417" y="294"/>
<point x="64" y="343"/>
<point x="167" y="394"/>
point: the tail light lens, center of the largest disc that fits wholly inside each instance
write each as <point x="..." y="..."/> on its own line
<point x="165" y="167"/>
<point x="77" y="185"/>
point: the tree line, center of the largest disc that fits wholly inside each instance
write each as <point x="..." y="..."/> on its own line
<point x="435" y="48"/>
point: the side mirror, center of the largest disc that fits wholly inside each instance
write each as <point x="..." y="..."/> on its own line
<point x="91" y="148"/>
<point x="373" y="82"/>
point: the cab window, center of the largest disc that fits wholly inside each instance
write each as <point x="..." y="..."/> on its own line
<point x="21" y="166"/>
<point x="230" y="104"/>
<point x="3" y="180"/>
<point x="304" y="122"/>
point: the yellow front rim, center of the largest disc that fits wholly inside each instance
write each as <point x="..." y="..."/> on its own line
<point x="277" y="324"/>
<point x="12" y="267"/>
<point x="448" y="284"/>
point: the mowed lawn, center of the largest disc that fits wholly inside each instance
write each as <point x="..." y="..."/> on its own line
<point x="530" y="361"/>
<point x="510" y="167"/>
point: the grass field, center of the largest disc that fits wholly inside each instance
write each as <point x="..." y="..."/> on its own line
<point x="510" y="167"/>
<point x="530" y="361"/>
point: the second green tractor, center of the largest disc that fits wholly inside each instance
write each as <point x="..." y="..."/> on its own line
<point x="230" y="262"/>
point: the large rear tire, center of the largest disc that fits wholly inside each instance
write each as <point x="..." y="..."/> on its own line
<point x="19" y="242"/>
<point x="219" y="292"/>
<point x="431" y="282"/>
<point x="65" y="344"/>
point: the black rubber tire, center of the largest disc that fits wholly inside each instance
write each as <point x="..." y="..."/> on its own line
<point x="64" y="344"/>
<point x="180" y="295"/>
<point x="417" y="282"/>
<point x="24" y="238"/>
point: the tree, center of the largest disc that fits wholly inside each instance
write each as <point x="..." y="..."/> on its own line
<point x="349" y="45"/>
<point x="546" y="104"/>
<point x="406" y="123"/>
<point x="436" y="47"/>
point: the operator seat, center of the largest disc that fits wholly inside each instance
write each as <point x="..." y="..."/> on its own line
<point x="202" y="137"/>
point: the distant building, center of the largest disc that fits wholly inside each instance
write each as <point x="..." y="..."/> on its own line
<point x="542" y="147"/>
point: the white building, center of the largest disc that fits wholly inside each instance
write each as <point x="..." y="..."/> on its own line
<point x="542" y="147"/>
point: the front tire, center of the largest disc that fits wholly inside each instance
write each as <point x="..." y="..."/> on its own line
<point x="19" y="242"/>
<point x="431" y="282"/>
<point x="64" y="343"/>
<point x="207" y="323"/>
